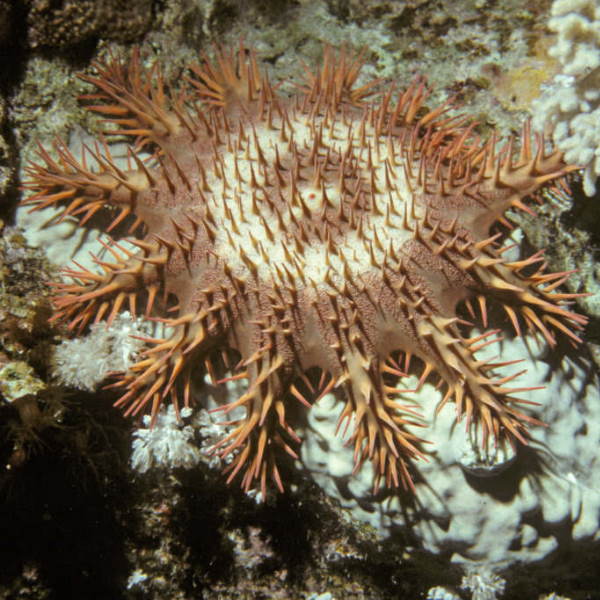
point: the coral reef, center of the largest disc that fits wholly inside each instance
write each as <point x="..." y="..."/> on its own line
<point x="72" y="22"/>
<point x="182" y="533"/>
<point x="83" y="363"/>
<point x="480" y="514"/>
<point x="168" y="443"/>
<point x="570" y="105"/>
<point x="6" y="153"/>
<point x="483" y="585"/>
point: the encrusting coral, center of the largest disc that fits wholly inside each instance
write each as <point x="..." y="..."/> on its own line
<point x="308" y="243"/>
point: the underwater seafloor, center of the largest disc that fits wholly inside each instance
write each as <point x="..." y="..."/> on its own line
<point x="78" y="520"/>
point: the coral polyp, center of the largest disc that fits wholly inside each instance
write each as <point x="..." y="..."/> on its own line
<point x="325" y="241"/>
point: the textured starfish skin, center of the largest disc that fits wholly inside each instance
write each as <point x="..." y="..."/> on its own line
<point x="308" y="243"/>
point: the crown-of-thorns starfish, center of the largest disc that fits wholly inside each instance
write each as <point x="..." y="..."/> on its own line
<point x="308" y="243"/>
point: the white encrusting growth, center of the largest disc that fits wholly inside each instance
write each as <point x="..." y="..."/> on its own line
<point x="570" y="103"/>
<point x="85" y="362"/>
<point x="560" y="487"/>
